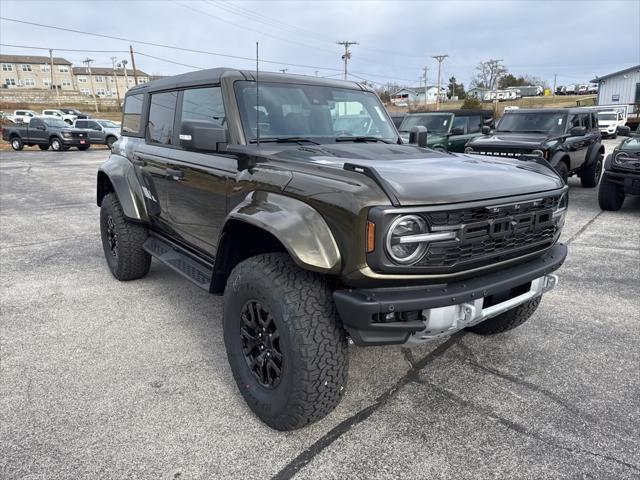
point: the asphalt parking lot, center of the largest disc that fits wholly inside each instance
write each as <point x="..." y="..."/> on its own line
<point x="101" y="379"/>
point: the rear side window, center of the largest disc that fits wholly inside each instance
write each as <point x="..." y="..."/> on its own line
<point x="459" y="122"/>
<point x="475" y="124"/>
<point x="132" y="114"/>
<point x="203" y="104"/>
<point x="36" y="123"/>
<point x="81" y="124"/>
<point x="586" y="120"/>
<point x="161" y="118"/>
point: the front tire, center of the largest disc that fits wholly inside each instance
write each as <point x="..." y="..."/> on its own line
<point x="56" y="144"/>
<point x="563" y="171"/>
<point x="122" y="241"/>
<point x="610" y="196"/>
<point x="83" y="147"/>
<point x="507" y="320"/>
<point x="17" y="144"/>
<point x="286" y="349"/>
<point x="590" y="176"/>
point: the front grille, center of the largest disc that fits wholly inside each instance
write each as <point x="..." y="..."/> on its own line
<point x="503" y="152"/>
<point x="489" y="234"/>
<point x="78" y="135"/>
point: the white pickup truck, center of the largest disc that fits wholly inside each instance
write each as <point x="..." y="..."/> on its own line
<point x="609" y="121"/>
<point x="22" y="116"/>
<point x="68" y="118"/>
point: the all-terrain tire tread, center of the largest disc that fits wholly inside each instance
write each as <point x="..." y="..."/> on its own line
<point x="609" y="196"/>
<point x="133" y="262"/>
<point x="588" y="174"/>
<point x="321" y="338"/>
<point x="507" y="320"/>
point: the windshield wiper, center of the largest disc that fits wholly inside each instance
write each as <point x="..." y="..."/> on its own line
<point x="534" y="131"/>
<point x="361" y="139"/>
<point x="285" y="140"/>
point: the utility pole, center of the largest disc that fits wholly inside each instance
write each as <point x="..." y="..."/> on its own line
<point x="440" y="59"/>
<point x="133" y="65"/>
<point x="126" y="77"/>
<point x="317" y="71"/>
<point x="51" y="76"/>
<point x="88" y="61"/>
<point x="555" y="77"/>
<point x="284" y="70"/>
<point x="425" y="69"/>
<point x="347" y="54"/>
<point x="115" y="77"/>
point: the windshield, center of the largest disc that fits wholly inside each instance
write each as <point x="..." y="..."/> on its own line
<point x="55" y="122"/>
<point x="108" y="124"/>
<point x="533" y="122"/>
<point x="435" y="122"/>
<point x="632" y="144"/>
<point x="69" y="111"/>
<point x="607" y="116"/>
<point x="311" y="111"/>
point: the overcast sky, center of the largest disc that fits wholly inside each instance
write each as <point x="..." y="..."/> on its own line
<point x="576" y="40"/>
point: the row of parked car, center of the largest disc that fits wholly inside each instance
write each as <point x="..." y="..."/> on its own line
<point x="59" y="129"/>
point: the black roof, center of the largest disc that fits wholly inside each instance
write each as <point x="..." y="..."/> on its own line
<point x="460" y="112"/>
<point x="551" y="110"/>
<point x="214" y="75"/>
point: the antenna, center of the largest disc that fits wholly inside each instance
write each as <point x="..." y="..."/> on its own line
<point x="257" y="98"/>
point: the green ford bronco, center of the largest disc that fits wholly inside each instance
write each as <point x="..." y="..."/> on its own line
<point x="316" y="235"/>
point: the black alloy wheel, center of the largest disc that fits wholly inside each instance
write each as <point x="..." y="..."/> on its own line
<point x="261" y="344"/>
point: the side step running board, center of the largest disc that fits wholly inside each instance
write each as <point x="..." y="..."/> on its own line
<point x="179" y="260"/>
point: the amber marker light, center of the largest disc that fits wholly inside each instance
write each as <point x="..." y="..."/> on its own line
<point x="371" y="236"/>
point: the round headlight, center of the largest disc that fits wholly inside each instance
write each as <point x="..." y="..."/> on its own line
<point x="406" y="253"/>
<point x="538" y="153"/>
<point x="468" y="150"/>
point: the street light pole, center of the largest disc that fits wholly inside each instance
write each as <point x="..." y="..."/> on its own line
<point x="347" y="54"/>
<point x="115" y="79"/>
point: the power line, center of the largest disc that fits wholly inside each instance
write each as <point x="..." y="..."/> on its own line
<point x="191" y="50"/>
<point x="63" y="49"/>
<point x="169" y="61"/>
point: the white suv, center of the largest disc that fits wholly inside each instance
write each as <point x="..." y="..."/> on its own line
<point x="61" y="115"/>
<point x="609" y="121"/>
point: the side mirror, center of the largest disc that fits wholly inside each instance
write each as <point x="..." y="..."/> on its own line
<point x="486" y="130"/>
<point x="418" y="136"/>
<point x="578" y="131"/>
<point x="201" y="135"/>
<point x="457" y="131"/>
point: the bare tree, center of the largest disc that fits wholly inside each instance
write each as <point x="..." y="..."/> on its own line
<point x="489" y="73"/>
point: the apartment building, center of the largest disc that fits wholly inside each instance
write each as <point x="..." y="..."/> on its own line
<point x="106" y="82"/>
<point x="32" y="71"/>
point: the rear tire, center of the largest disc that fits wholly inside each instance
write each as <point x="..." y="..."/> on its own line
<point x="310" y="351"/>
<point x="610" y="196"/>
<point x="43" y="147"/>
<point x="122" y="241"/>
<point x="17" y="144"/>
<point x="563" y="171"/>
<point x="590" y="176"/>
<point x="507" y="320"/>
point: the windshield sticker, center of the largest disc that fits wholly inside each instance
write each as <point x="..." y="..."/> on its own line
<point x="560" y="121"/>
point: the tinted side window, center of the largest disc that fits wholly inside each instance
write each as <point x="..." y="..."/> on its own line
<point x="586" y="120"/>
<point x="132" y="114"/>
<point x="574" y="120"/>
<point x="203" y="104"/>
<point x="459" y="122"/>
<point x="475" y="124"/>
<point x="594" y="120"/>
<point x="35" y="123"/>
<point x="81" y="124"/>
<point x="161" y="118"/>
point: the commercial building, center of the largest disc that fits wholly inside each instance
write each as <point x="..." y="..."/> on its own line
<point x="620" y="88"/>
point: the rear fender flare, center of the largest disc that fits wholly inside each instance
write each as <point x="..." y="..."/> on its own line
<point x="593" y="152"/>
<point x="118" y="174"/>
<point x="299" y="227"/>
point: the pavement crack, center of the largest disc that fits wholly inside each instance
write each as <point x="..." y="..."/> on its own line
<point x="307" y="455"/>
<point x="583" y="228"/>
<point x="522" y="430"/>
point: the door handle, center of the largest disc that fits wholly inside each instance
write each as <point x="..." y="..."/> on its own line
<point x="172" y="172"/>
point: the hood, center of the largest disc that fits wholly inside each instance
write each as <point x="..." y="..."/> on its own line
<point x="521" y="140"/>
<point x="421" y="177"/>
<point x="81" y="132"/>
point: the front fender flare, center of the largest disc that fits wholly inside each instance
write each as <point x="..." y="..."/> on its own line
<point x="299" y="227"/>
<point x="553" y="161"/>
<point x="122" y="176"/>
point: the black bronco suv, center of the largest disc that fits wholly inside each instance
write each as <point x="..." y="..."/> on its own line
<point x="314" y="234"/>
<point x="621" y="175"/>
<point x="569" y="139"/>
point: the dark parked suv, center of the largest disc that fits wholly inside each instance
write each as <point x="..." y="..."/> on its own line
<point x="315" y="234"/>
<point x="569" y="139"/>
<point x="621" y="175"/>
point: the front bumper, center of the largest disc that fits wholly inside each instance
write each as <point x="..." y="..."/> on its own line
<point x="416" y="315"/>
<point x="75" y="142"/>
<point x="630" y="181"/>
